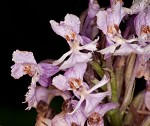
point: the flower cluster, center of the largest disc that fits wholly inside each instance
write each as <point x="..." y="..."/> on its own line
<point x="96" y="78"/>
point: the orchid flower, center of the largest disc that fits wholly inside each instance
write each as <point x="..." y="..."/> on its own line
<point x="69" y="29"/>
<point x="73" y="80"/>
<point x="111" y="20"/>
<point x="142" y="26"/>
<point x="26" y="64"/>
<point x="95" y="117"/>
<point x="110" y="27"/>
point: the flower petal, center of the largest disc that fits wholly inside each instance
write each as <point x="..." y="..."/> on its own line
<point x="35" y="94"/>
<point x="48" y="70"/>
<point x="102" y="24"/>
<point x="76" y="71"/>
<point x="75" y="58"/>
<point x="126" y="49"/>
<point x="59" y="29"/>
<point x="103" y="108"/>
<point x="17" y="71"/>
<point x="23" y="57"/>
<point x="60" y="82"/>
<point x="73" y="22"/>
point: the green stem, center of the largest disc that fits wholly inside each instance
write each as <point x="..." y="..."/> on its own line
<point x="97" y="68"/>
<point x="114" y="115"/>
<point x="114" y="96"/>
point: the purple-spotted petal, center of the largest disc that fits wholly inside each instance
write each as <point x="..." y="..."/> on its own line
<point x="44" y="81"/>
<point x="48" y="70"/>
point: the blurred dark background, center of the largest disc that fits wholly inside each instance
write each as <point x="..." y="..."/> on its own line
<point x="24" y="25"/>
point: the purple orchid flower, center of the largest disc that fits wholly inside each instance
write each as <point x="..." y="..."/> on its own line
<point x="26" y="64"/>
<point x="95" y="117"/>
<point x="73" y="80"/>
<point x="142" y="29"/>
<point x="110" y="27"/>
<point x="142" y="26"/>
<point x="69" y="29"/>
<point x="109" y="20"/>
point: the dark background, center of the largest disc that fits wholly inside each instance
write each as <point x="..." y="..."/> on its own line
<point x="24" y="25"/>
